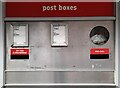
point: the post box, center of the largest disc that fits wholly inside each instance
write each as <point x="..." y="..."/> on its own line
<point x="60" y="43"/>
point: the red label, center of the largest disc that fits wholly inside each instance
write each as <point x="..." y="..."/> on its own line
<point x="59" y="9"/>
<point x="19" y="51"/>
<point x="99" y="51"/>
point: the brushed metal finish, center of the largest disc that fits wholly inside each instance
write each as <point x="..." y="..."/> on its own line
<point x="63" y="87"/>
<point x="71" y="64"/>
<point x="59" y="19"/>
<point x="62" y="84"/>
<point x="58" y="77"/>
<point x="75" y="56"/>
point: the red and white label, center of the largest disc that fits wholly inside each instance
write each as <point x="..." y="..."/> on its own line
<point x="19" y="51"/>
<point x="99" y="51"/>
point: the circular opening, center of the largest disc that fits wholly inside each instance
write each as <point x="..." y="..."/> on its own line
<point x="99" y="35"/>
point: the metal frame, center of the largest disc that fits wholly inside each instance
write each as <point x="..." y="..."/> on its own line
<point x="65" y="84"/>
<point x="118" y="42"/>
<point x="116" y="47"/>
<point x="2" y="55"/>
<point x="60" y="19"/>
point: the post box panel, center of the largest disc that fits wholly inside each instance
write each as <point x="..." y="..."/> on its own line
<point x="76" y="56"/>
<point x="59" y="9"/>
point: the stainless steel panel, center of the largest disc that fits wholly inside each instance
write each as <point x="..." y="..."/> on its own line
<point x="59" y="77"/>
<point x="76" y="56"/>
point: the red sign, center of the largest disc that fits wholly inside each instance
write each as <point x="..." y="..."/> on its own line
<point x="19" y="51"/>
<point x="97" y="51"/>
<point x="59" y="9"/>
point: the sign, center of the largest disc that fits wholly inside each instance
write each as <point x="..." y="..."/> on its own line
<point x="99" y="53"/>
<point x="59" y="9"/>
<point x="19" y="53"/>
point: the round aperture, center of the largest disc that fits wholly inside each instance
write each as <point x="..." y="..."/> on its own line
<point x="99" y="35"/>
